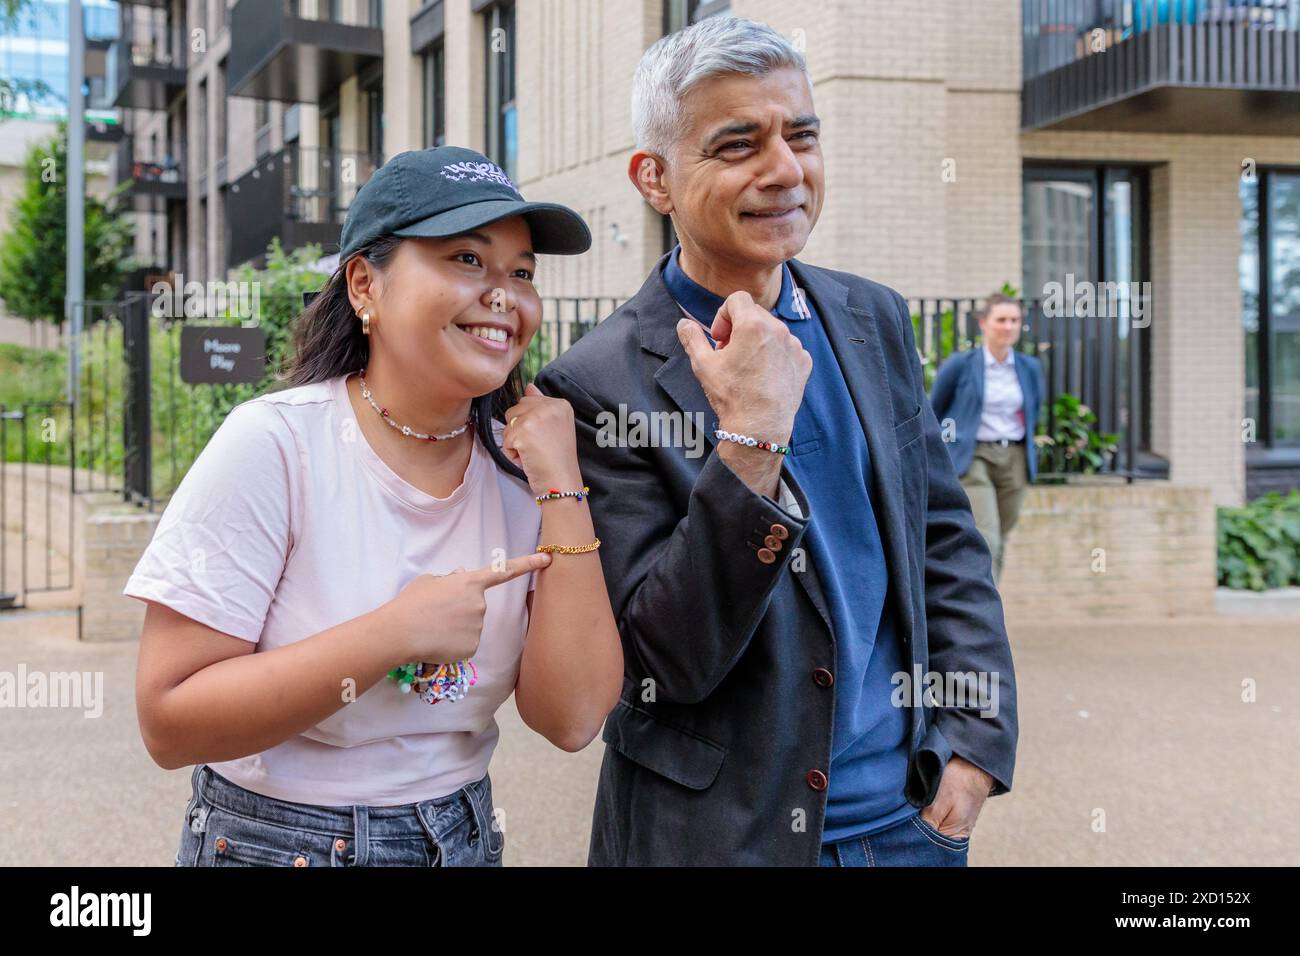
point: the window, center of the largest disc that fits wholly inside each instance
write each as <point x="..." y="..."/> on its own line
<point x="200" y="160"/>
<point x="499" y="56"/>
<point x="222" y="121"/>
<point x="262" y="128"/>
<point x="291" y="121"/>
<point x="680" y="14"/>
<point x="435" y="96"/>
<point x="1086" y="227"/>
<point x="1269" y="266"/>
<point x="375" y="119"/>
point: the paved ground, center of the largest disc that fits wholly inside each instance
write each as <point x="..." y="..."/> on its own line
<point x="1144" y="722"/>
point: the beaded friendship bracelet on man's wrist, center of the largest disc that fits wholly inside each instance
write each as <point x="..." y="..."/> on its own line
<point x="773" y="447"/>
<point x="552" y="493"/>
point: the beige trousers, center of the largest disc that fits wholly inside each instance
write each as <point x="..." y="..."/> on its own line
<point x="996" y="483"/>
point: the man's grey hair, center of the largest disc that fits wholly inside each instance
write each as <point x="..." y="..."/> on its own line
<point x="678" y="62"/>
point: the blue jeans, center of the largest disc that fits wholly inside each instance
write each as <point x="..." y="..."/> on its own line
<point x="226" y="825"/>
<point x="910" y="843"/>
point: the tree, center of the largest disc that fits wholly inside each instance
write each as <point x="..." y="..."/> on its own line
<point x="33" y="253"/>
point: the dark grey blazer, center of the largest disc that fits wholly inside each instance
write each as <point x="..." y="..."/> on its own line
<point x="714" y="751"/>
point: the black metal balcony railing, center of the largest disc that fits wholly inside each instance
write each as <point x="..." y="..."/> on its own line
<point x="1096" y="359"/>
<point x="149" y="175"/>
<point x="299" y="194"/>
<point x="146" y="64"/>
<point x="1162" y="65"/>
<point x="300" y="50"/>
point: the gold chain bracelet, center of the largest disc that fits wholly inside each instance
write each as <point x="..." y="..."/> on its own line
<point x="568" y="548"/>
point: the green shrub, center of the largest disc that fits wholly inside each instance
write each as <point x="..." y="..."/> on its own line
<point x="1073" y="446"/>
<point x="184" y="416"/>
<point x="1259" y="545"/>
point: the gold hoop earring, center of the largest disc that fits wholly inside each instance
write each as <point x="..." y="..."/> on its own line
<point x="365" y="323"/>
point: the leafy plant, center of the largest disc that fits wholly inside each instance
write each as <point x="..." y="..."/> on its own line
<point x="1259" y="545"/>
<point x="1074" y="446"/>
<point x="945" y="334"/>
<point x="33" y="253"/>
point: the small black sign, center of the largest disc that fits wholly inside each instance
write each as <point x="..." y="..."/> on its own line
<point x="222" y="354"/>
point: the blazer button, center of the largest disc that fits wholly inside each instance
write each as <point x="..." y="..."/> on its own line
<point x="773" y="542"/>
<point x="823" y="677"/>
<point x="780" y="531"/>
<point x="816" y="779"/>
<point x="766" y="556"/>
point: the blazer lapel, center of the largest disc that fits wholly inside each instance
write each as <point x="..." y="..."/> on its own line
<point x="855" y="338"/>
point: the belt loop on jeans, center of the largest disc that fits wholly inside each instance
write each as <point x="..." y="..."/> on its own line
<point x="360" y="836"/>
<point x="201" y="779"/>
<point x="198" y="821"/>
<point x="483" y="824"/>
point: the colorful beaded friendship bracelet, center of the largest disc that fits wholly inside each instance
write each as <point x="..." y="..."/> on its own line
<point x="751" y="442"/>
<point x="557" y="493"/>
<point x="448" y="682"/>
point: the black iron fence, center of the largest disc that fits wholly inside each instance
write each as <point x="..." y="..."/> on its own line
<point x="139" y="426"/>
<point x="1096" y="358"/>
<point x="565" y="319"/>
<point x="36" y="500"/>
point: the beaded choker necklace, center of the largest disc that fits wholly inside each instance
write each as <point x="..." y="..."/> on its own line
<point x="406" y="429"/>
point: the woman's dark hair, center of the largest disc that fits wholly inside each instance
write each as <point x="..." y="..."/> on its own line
<point x="328" y="342"/>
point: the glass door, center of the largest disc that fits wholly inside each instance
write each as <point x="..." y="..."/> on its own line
<point x="1283" y="333"/>
<point x="1084" y="252"/>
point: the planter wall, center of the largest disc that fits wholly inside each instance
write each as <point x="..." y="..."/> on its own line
<point x="1083" y="550"/>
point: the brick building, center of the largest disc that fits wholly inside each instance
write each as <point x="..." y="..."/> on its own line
<point x="966" y="145"/>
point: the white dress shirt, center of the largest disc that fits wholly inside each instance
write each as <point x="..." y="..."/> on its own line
<point x="1004" y="402"/>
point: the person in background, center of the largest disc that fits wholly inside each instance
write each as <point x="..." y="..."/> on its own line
<point x="992" y="395"/>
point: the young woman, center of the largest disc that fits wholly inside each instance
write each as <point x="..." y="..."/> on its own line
<point x="374" y="516"/>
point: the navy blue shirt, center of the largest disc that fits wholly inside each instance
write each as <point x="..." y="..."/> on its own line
<point x="829" y="458"/>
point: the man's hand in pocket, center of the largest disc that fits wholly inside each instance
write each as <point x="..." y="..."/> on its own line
<point x="963" y="788"/>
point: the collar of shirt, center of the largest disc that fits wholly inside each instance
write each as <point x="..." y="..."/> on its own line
<point x="703" y="304"/>
<point x="990" y="361"/>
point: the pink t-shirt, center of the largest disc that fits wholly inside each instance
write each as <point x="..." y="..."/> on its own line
<point x="287" y="524"/>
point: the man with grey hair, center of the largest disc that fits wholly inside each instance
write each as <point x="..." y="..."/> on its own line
<point x="785" y="602"/>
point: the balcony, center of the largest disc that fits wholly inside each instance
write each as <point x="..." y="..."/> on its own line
<point x="298" y="194"/>
<point x="103" y="124"/>
<point x="102" y="129"/>
<point x="149" y="175"/>
<point x="297" y="51"/>
<point x="146" y="64"/>
<point x="1164" y="66"/>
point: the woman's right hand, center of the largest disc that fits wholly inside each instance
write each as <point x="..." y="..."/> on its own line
<point x="439" y="618"/>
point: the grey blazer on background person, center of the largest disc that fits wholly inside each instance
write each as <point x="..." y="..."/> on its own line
<point x="714" y="750"/>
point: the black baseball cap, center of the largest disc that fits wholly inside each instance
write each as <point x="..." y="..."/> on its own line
<point x="447" y="190"/>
